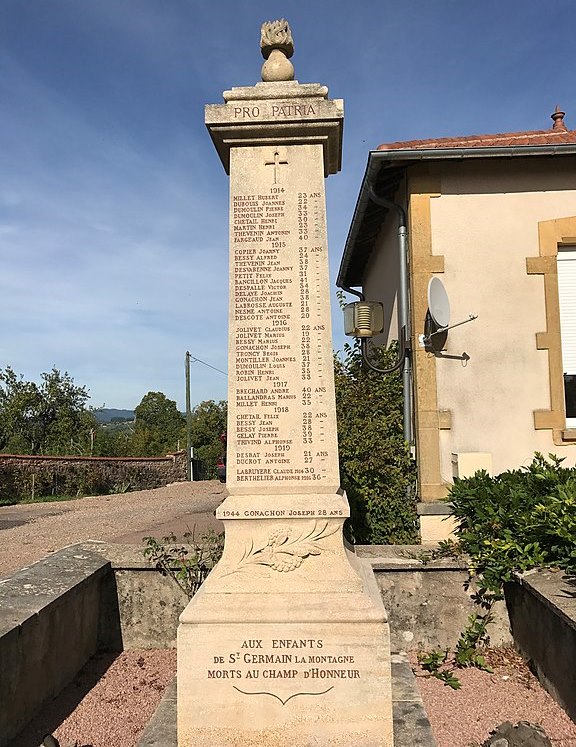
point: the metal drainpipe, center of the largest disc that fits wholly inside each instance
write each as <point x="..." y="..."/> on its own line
<point x="353" y="292"/>
<point x="403" y="308"/>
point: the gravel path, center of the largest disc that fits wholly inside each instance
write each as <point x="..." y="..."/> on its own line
<point x="465" y="717"/>
<point x="30" y="532"/>
<point x="109" y="703"/>
<point x="113" y="698"/>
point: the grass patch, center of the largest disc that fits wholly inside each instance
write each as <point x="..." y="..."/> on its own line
<point x="36" y="499"/>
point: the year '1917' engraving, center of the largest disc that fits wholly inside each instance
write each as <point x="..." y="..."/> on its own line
<point x="278" y="252"/>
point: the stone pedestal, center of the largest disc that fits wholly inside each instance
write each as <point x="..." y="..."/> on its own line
<point x="284" y="669"/>
<point x="287" y="642"/>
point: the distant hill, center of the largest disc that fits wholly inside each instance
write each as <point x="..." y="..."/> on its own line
<point x="108" y="414"/>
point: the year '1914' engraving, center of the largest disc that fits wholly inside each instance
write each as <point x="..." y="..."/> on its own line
<point x="283" y="386"/>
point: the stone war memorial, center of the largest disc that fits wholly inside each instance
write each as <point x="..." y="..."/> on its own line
<point x="287" y="642"/>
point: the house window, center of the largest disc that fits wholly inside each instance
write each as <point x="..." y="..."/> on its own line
<point x="567" y="297"/>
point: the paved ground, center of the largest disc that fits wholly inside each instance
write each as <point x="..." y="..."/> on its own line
<point x="115" y="715"/>
<point x="30" y="532"/>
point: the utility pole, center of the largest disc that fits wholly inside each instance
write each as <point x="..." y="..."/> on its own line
<point x="188" y="422"/>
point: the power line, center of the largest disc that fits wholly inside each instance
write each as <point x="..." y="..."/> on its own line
<point x="197" y="360"/>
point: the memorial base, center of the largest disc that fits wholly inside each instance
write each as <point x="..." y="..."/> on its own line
<point x="285" y="669"/>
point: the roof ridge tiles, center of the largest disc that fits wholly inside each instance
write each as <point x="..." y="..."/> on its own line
<point x="504" y="139"/>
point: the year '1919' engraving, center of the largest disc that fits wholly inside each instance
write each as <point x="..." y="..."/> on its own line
<point x="282" y="375"/>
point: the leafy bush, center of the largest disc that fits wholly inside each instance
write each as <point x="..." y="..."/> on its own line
<point x="188" y="563"/>
<point x="521" y="519"/>
<point x="376" y="468"/>
<point x="518" y="520"/>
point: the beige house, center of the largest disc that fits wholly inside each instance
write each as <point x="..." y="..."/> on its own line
<point x="493" y="217"/>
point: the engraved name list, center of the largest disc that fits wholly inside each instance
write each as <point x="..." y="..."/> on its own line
<point x="282" y="372"/>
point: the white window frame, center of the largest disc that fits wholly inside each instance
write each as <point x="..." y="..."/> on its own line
<point x="566" y="267"/>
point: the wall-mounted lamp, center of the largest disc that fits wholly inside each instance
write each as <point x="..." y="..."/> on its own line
<point x="363" y="319"/>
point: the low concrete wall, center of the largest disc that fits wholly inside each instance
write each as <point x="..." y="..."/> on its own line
<point x="146" y="604"/>
<point x="427" y="603"/>
<point x="49" y="628"/>
<point x="57" y="613"/>
<point x="95" y="596"/>
<point x="542" y="607"/>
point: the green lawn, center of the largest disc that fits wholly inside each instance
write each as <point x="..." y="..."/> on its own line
<point x="37" y="499"/>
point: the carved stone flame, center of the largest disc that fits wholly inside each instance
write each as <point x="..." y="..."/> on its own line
<point x="277" y="46"/>
<point x="276" y="35"/>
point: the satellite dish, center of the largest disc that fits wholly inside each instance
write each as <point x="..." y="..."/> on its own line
<point x="438" y="303"/>
<point x="437" y="322"/>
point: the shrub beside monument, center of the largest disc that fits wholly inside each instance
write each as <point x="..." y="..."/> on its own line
<point x="376" y="468"/>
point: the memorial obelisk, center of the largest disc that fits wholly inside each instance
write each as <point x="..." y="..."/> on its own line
<point x="287" y="642"/>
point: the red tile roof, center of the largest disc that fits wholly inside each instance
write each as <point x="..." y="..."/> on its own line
<point x="557" y="135"/>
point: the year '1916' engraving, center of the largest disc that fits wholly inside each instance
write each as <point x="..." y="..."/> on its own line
<point x="282" y="374"/>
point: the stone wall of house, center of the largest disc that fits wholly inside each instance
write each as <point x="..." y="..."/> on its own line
<point x="24" y="476"/>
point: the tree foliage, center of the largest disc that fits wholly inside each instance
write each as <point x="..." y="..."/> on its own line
<point x="507" y="524"/>
<point x="521" y="519"/>
<point x="159" y="427"/>
<point x="114" y="442"/>
<point x="375" y="464"/>
<point x="53" y="418"/>
<point x="208" y="425"/>
<point x="46" y="418"/>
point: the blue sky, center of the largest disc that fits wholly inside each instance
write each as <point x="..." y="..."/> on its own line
<point x="113" y="202"/>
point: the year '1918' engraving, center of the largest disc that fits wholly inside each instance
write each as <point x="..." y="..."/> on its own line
<point x="278" y="257"/>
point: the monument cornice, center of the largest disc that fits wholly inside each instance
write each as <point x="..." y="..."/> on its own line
<point x="279" y="90"/>
<point x="286" y="113"/>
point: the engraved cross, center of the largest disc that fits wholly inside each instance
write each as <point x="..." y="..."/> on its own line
<point x="276" y="162"/>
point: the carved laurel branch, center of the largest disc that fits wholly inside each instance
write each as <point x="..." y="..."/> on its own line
<point x="284" y="551"/>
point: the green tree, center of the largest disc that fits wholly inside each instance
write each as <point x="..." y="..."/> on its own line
<point x="19" y="408"/>
<point x="159" y="427"/>
<point x="65" y="408"/>
<point x="208" y="425"/>
<point x="375" y="463"/>
<point x="46" y="418"/>
<point x="113" y="442"/>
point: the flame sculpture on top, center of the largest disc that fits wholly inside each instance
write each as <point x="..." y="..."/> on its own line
<point x="277" y="47"/>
